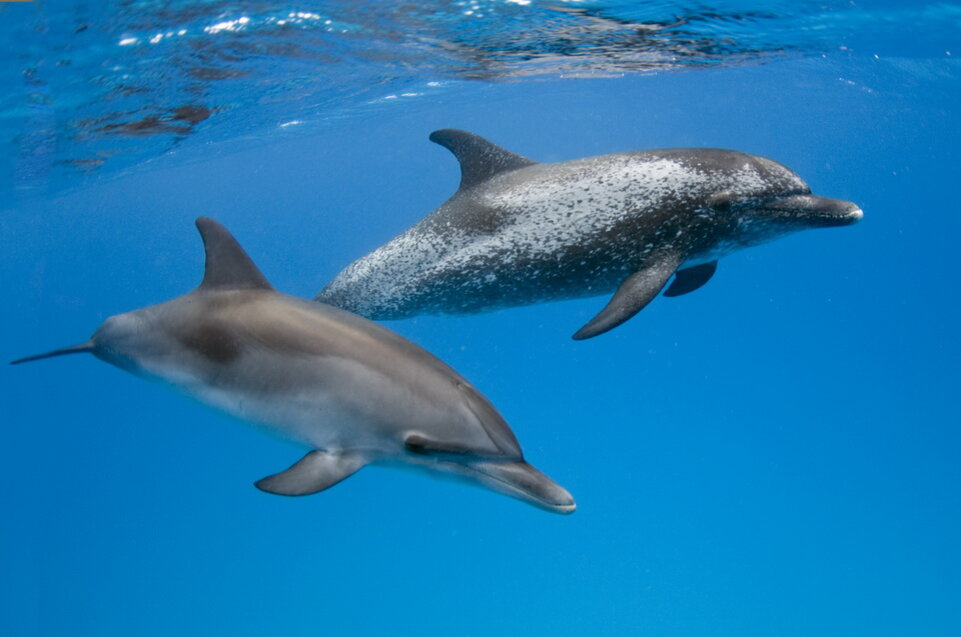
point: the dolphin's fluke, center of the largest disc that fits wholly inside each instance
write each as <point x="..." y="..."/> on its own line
<point x="316" y="471"/>
<point x="227" y="265"/>
<point x="73" y="349"/>
<point x="479" y="159"/>
<point x="522" y="481"/>
<point x="631" y="297"/>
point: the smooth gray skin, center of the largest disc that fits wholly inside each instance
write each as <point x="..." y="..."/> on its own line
<point x="353" y="391"/>
<point x="518" y="232"/>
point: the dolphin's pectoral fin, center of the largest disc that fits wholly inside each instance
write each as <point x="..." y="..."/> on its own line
<point x="316" y="471"/>
<point x="479" y="159"/>
<point x="690" y="279"/>
<point x="635" y="292"/>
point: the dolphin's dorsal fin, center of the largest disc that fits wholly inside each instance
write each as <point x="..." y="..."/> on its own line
<point x="227" y="267"/>
<point x="479" y="159"/>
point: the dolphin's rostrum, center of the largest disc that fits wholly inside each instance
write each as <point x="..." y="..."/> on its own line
<point x="353" y="391"/>
<point x="518" y="232"/>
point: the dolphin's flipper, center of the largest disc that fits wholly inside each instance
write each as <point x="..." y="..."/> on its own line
<point x="690" y="279"/>
<point x="635" y="292"/>
<point x="522" y="481"/>
<point x="479" y="159"/>
<point x="228" y="267"/>
<point x="316" y="471"/>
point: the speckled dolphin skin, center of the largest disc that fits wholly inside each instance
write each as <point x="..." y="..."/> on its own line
<point x="519" y="232"/>
<point x="352" y="391"/>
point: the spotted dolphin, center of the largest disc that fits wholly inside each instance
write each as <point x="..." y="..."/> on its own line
<point x="354" y="392"/>
<point x="519" y="232"/>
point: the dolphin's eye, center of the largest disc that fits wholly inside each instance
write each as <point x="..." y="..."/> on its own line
<point x="720" y="202"/>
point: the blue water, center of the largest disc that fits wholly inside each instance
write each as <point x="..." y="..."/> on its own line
<point x="775" y="454"/>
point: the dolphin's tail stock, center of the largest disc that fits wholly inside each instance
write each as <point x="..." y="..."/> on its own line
<point x="522" y="481"/>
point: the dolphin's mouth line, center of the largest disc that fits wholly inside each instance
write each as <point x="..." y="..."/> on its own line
<point x="527" y="495"/>
<point x="469" y="470"/>
<point x="801" y="207"/>
<point x="811" y="212"/>
<point x="809" y="217"/>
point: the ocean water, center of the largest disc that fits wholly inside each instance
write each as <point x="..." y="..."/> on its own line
<point x="776" y="454"/>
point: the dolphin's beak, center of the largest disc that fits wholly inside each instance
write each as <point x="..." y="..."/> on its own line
<point x="816" y="212"/>
<point x="73" y="349"/>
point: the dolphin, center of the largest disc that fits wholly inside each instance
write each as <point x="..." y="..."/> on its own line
<point x="519" y="232"/>
<point x="354" y="392"/>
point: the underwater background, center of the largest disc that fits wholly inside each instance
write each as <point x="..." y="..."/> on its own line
<point x="774" y="454"/>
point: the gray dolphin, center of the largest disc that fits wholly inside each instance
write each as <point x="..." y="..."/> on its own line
<point x="518" y="232"/>
<point x="353" y="391"/>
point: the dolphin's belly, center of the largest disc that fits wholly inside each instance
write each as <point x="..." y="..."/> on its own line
<point x="472" y="287"/>
<point x="316" y="421"/>
<point x="489" y="273"/>
<point x="715" y="252"/>
<point x="333" y="403"/>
